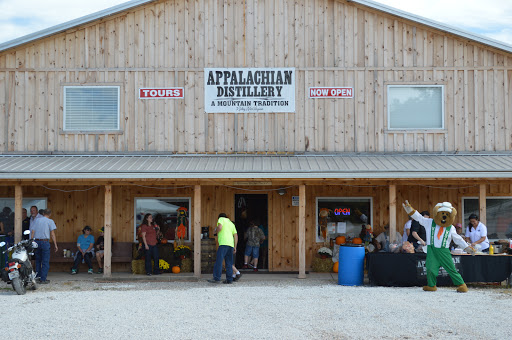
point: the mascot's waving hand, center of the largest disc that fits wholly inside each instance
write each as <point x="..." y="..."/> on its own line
<point x="440" y="232"/>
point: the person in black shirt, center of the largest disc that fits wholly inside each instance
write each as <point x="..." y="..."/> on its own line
<point x="25" y="223"/>
<point x="418" y="233"/>
<point x="99" y="247"/>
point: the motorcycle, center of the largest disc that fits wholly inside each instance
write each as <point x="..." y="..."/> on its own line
<point x="19" y="270"/>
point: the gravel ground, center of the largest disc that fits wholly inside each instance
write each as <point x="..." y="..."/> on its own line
<point x="282" y="309"/>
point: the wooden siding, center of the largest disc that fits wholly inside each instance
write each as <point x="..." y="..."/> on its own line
<point x="74" y="207"/>
<point x="330" y="43"/>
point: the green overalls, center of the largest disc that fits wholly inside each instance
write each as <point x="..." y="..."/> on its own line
<point x="437" y="257"/>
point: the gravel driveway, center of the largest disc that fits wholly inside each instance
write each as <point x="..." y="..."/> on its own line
<point x="284" y="309"/>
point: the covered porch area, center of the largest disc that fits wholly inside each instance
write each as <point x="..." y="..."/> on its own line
<point x="104" y="191"/>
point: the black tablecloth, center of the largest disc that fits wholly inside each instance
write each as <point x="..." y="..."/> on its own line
<point x="402" y="270"/>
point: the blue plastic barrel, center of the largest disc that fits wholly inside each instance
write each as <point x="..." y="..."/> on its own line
<point x="351" y="265"/>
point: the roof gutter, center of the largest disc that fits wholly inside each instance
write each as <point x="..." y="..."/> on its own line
<point x="263" y="175"/>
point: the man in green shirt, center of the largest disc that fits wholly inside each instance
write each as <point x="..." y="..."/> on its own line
<point x="228" y="240"/>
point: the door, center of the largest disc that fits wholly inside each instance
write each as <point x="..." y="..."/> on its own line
<point x="251" y="207"/>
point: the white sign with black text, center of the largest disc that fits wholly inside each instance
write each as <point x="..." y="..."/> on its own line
<point x="251" y="90"/>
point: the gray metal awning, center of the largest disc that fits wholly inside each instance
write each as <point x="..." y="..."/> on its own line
<point x="216" y="166"/>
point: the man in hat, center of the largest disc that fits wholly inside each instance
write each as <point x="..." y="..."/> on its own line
<point x="99" y="247"/>
<point x="85" y="244"/>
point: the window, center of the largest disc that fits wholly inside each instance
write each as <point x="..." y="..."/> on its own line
<point x="168" y="213"/>
<point x="414" y="107"/>
<point x="341" y="216"/>
<point x="7" y="210"/>
<point x="91" y="108"/>
<point x="499" y="215"/>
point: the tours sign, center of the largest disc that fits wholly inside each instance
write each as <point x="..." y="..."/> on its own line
<point x="161" y="92"/>
<point x="251" y="90"/>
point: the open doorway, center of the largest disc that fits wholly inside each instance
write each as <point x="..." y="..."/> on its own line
<point x="251" y="207"/>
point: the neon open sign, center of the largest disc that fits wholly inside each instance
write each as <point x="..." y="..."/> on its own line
<point x="342" y="211"/>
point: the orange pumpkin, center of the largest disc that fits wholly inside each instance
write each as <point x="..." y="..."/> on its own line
<point x="163" y="241"/>
<point x="341" y="240"/>
<point x="176" y="270"/>
<point x="335" y="267"/>
<point x="357" y="240"/>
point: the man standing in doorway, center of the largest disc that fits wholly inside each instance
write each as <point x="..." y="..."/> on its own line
<point x="42" y="227"/>
<point x="228" y="240"/>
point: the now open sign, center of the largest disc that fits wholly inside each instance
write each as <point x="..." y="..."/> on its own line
<point x="331" y="92"/>
<point x="161" y="92"/>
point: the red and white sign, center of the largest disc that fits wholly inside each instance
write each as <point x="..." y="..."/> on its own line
<point x="331" y="92"/>
<point x="161" y="92"/>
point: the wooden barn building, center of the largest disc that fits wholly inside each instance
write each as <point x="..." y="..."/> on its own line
<point x="269" y="111"/>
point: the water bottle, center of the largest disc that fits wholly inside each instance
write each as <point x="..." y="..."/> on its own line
<point x="64" y="252"/>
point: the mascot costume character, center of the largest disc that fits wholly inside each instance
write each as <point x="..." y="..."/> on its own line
<point x="440" y="232"/>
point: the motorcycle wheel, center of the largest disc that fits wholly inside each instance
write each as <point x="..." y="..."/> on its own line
<point x="18" y="286"/>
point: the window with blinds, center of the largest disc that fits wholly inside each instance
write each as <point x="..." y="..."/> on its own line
<point x="413" y="107"/>
<point x="91" y="108"/>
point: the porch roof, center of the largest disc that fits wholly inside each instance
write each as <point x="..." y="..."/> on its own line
<point x="255" y="166"/>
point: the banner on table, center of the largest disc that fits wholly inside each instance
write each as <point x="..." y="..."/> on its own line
<point x="252" y="90"/>
<point x="421" y="268"/>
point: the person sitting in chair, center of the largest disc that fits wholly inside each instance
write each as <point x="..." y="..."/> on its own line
<point x="85" y="244"/>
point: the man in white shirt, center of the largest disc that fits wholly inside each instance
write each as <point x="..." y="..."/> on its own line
<point x="407" y="230"/>
<point x="383" y="239"/>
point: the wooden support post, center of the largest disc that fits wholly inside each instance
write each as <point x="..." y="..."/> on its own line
<point x="482" y="201"/>
<point x="107" y="259"/>
<point x="18" y="205"/>
<point x="302" y="231"/>
<point x="392" y="213"/>
<point x="197" y="231"/>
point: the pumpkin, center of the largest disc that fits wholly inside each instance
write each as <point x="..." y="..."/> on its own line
<point x="163" y="241"/>
<point x="357" y="240"/>
<point x="335" y="267"/>
<point x="341" y="240"/>
<point x="176" y="270"/>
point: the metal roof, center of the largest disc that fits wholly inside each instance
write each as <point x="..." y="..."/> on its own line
<point x="435" y="24"/>
<point x="72" y="23"/>
<point x="134" y="3"/>
<point x="309" y="166"/>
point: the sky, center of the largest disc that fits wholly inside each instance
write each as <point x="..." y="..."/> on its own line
<point x="490" y="18"/>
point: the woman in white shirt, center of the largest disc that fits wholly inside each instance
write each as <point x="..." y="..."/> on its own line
<point x="476" y="231"/>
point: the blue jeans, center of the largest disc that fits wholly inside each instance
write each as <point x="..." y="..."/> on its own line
<point x="42" y="259"/>
<point x="224" y="253"/>
<point x="152" y="252"/>
<point x="9" y="240"/>
<point x="87" y="258"/>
